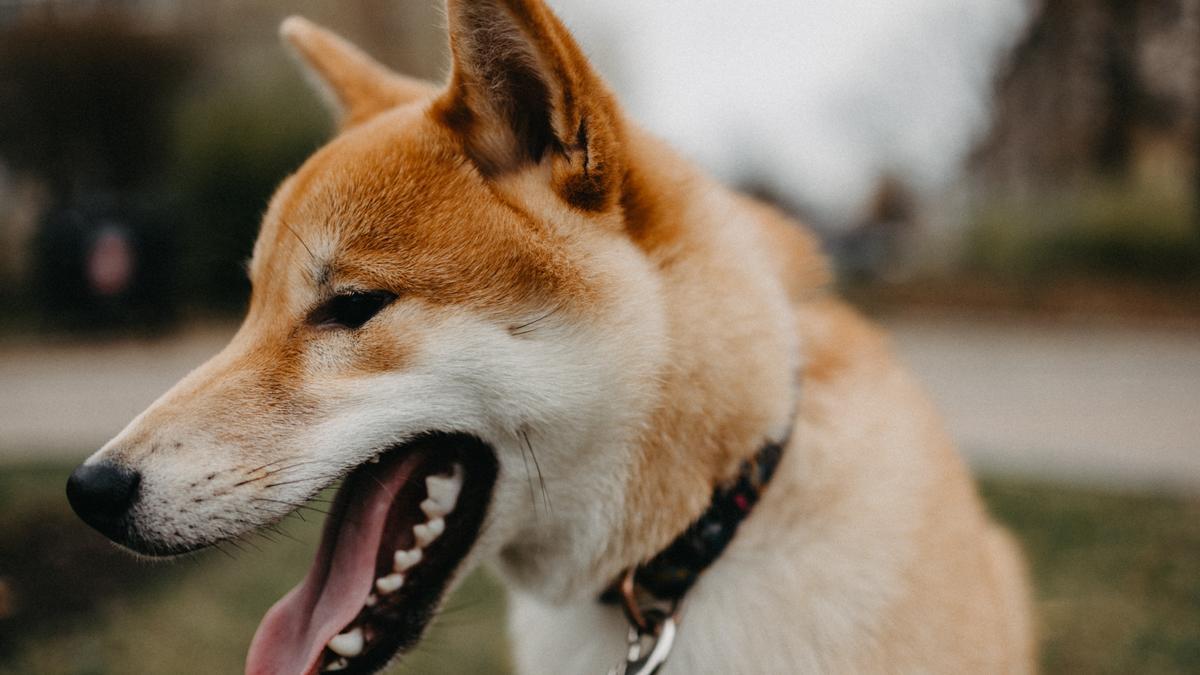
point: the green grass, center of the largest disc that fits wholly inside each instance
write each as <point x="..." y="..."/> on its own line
<point x="194" y="615"/>
<point x="1117" y="576"/>
<point x="1118" y="589"/>
<point x="1106" y="230"/>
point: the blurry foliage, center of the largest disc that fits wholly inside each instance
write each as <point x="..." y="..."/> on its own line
<point x="182" y="143"/>
<point x="233" y="146"/>
<point x="1125" y="231"/>
<point x="84" y="104"/>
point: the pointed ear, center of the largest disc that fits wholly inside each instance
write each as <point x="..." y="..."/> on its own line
<point x="522" y="91"/>
<point x="354" y="85"/>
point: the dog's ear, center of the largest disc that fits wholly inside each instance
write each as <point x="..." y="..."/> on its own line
<point x="522" y="92"/>
<point x="354" y="85"/>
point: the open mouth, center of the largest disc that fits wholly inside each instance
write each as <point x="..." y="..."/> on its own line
<point x="399" y="529"/>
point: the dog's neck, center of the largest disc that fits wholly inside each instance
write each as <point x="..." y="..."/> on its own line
<point x="696" y="414"/>
<point x="712" y="412"/>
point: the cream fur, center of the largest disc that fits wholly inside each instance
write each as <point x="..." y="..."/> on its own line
<point x="678" y="327"/>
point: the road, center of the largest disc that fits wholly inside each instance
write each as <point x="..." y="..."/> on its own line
<point x="1085" y="403"/>
<point x="1089" y="404"/>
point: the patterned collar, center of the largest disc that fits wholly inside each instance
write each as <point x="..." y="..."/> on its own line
<point x="670" y="574"/>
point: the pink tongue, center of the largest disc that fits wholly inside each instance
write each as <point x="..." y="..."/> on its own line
<point x="292" y="635"/>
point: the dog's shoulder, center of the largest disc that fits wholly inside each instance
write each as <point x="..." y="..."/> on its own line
<point x="791" y="249"/>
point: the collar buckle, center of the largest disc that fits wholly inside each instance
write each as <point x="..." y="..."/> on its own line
<point x="652" y="629"/>
<point x="648" y="651"/>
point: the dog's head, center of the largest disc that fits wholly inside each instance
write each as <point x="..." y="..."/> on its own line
<point x="448" y="314"/>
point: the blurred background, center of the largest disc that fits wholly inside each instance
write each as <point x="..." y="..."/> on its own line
<point x="1010" y="186"/>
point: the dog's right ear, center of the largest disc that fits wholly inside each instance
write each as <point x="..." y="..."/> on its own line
<point x="354" y="85"/>
<point x="522" y="91"/>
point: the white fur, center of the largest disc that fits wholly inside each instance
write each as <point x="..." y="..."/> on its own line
<point x="817" y="576"/>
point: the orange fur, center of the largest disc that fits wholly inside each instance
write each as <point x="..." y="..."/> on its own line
<point x="680" y="326"/>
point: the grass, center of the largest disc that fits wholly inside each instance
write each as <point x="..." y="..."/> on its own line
<point x="1117" y="576"/>
<point x="1106" y="230"/>
<point x="1118" y="589"/>
<point x="193" y="615"/>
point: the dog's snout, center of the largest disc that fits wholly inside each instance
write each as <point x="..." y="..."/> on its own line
<point x="102" y="493"/>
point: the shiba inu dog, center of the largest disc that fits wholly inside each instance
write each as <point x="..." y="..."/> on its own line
<point x="525" y="334"/>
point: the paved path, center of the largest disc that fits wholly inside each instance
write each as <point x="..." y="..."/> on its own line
<point x="1090" y="404"/>
<point x="1086" y="403"/>
<point x="64" y="400"/>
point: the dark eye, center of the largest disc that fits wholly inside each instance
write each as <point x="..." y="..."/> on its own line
<point x="350" y="310"/>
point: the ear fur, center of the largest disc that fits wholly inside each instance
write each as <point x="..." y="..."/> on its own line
<point x="354" y="85"/>
<point x="521" y="90"/>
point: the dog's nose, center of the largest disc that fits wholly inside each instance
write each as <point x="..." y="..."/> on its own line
<point x="102" y="493"/>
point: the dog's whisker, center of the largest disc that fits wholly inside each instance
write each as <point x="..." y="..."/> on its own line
<point x="529" y="479"/>
<point x="526" y="327"/>
<point x="293" y="466"/>
<point x="301" y="240"/>
<point x="297" y="480"/>
<point x="234" y="543"/>
<point x="299" y="505"/>
<point x="383" y="487"/>
<point x="284" y="533"/>
<point x="244" y="538"/>
<point x="260" y="468"/>
<point x="273" y="472"/>
<point x="217" y="545"/>
<point x="538" y="466"/>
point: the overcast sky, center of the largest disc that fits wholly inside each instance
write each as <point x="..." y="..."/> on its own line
<point x="818" y="96"/>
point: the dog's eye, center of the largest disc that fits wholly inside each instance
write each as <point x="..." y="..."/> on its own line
<point x="350" y="310"/>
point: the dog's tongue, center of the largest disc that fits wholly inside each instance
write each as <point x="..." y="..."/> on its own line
<point x="292" y="635"/>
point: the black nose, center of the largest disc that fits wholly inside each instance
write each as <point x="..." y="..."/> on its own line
<point x="102" y="493"/>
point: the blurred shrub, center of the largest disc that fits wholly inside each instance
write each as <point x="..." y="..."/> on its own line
<point x="83" y="101"/>
<point x="1127" y="231"/>
<point x="233" y="145"/>
<point x="176" y="141"/>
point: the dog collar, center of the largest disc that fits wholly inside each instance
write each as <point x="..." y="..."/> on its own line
<point x="650" y="593"/>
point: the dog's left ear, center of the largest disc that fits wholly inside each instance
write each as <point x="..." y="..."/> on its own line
<point x="354" y="85"/>
<point x="522" y="92"/>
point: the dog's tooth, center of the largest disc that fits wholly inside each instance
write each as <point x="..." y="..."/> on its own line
<point x="445" y="489"/>
<point x="371" y="600"/>
<point x="427" y="532"/>
<point x="435" y="509"/>
<point x="389" y="584"/>
<point x="348" y="644"/>
<point x="406" y="560"/>
<point x="423" y="535"/>
<point x="336" y="664"/>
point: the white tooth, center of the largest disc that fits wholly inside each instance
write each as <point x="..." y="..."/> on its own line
<point x="339" y="664"/>
<point x="347" y="644"/>
<point x="405" y="560"/>
<point x="371" y="600"/>
<point x="389" y="584"/>
<point x="444" y="489"/>
<point x="435" y="509"/>
<point x="427" y="532"/>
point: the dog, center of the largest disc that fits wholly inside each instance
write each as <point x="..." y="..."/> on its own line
<point x="525" y="334"/>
